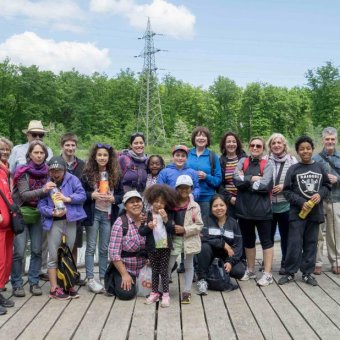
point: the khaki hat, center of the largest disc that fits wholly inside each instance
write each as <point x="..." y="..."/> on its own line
<point x="131" y="194"/>
<point x="34" y="126"/>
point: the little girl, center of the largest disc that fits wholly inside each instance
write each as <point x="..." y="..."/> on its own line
<point x="188" y="225"/>
<point x="158" y="230"/>
<point x="154" y="165"/>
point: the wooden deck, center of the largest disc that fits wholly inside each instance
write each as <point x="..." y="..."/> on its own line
<point x="293" y="311"/>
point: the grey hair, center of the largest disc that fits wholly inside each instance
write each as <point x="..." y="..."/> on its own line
<point x="329" y="131"/>
<point x="282" y="137"/>
<point x="6" y="141"/>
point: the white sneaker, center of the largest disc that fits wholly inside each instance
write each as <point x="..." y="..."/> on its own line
<point x="95" y="286"/>
<point x="248" y="275"/>
<point x="202" y="287"/>
<point x="265" y="280"/>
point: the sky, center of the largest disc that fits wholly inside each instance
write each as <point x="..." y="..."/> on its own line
<point x="267" y="41"/>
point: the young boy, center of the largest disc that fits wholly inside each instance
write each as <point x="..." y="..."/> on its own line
<point x="305" y="181"/>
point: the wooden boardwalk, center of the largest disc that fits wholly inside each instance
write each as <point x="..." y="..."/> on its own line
<point x="293" y="311"/>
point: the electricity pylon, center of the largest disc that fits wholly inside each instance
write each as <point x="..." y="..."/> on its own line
<point x="150" y="118"/>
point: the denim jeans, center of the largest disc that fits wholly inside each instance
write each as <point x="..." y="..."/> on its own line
<point x="102" y="226"/>
<point x="205" y="208"/>
<point x="35" y="233"/>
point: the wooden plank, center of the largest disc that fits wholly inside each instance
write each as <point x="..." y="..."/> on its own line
<point x="169" y="319"/>
<point x="217" y="316"/>
<point x="241" y="316"/>
<point x="329" y="287"/>
<point x="266" y="318"/>
<point x="310" y="312"/>
<point x="94" y="318"/>
<point x="118" y="323"/>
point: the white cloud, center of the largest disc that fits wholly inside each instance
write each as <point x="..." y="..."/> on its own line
<point x="29" y="49"/>
<point x="165" y="17"/>
<point x="48" y="11"/>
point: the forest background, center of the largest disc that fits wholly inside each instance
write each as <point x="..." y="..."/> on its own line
<point x="102" y="109"/>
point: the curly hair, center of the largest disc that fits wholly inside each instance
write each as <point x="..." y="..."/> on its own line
<point x="303" y="139"/>
<point x="161" y="161"/>
<point x="168" y="194"/>
<point x="91" y="169"/>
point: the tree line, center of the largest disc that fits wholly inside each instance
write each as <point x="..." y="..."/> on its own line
<point x="99" y="108"/>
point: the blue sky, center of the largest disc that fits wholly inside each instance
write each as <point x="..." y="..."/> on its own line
<point x="245" y="40"/>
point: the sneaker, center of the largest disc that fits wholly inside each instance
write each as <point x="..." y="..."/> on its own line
<point x="72" y="293"/>
<point x="265" y="280"/>
<point x="19" y="292"/>
<point x="59" y="294"/>
<point x="202" y="287"/>
<point x="309" y="279"/>
<point x="153" y="297"/>
<point x="5" y="302"/>
<point x="181" y="268"/>
<point x="286" y="279"/>
<point x="35" y="290"/>
<point x="165" y="300"/>
<point x="3" y="310"/>
<point x="282" y="271"/>
<point x="94" y="286"/>
<point x="186" y="297"/>
<point x="248" y="275"/>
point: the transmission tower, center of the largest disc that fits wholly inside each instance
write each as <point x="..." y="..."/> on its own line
<point x="150" y="118"/>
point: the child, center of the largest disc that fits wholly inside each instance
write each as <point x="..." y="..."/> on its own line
<point x="62" y="220"/>
<point x="188" y="225"/>
<point x="305" y="181"/>
<point x="101" y="181"/>
<point x="158" y="230"/>
<point x="154" y="165"/>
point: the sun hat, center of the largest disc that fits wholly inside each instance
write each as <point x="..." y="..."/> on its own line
<point x="180" y="148"/>
<point x="131" y="194"/>
<point x="184" y="180"/>
<point x="34" y="126"/>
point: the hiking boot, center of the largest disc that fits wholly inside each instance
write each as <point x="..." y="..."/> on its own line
<point x="317" y="270"/>
<point x="248" y="275"/>
<point x="59" y="294"/>
<point x="72" y="293"/>
<point x="35" y="290"/>
<point x="153" y="297"/>
<point x="5" y="302"/>
<point x="286" y="279"/>
<point x="95" y="286"/>
<point x="181" y="268"/>
<point x="265" y="280"/>
<point x="309" y="279"/>
<point x="202" y="287"/>
<point x="44" y="277"/>
<point x="3" y="310"/>
<point x="19" y="292"/>
<point x="186" y="297"/>
<point x="165" y="300"/>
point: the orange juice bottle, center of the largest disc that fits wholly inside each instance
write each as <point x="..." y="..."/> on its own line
<point x="104" y="182"/>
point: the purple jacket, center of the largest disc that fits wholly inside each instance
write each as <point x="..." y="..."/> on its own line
<point x="71" y="187"/>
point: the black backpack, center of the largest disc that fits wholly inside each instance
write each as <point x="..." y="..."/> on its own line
<point x="218" y="279"/>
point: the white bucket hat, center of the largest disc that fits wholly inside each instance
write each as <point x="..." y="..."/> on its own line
<point x="130" y="194"/>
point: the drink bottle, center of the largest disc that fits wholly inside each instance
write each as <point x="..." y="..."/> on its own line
<point x="104" y="182"/>
<point x="58" y="204"/>
<point x="304" y="213"/>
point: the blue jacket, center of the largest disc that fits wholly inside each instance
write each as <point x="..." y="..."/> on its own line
<point x="335" y="159"/>
<point x="169" y="176"/>
<point x="71" y="187"/>
<point x="210" y="184"/>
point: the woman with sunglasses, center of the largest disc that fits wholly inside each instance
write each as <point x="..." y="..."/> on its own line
<point x="253" y="178"/>
<point x="133" y="164"/>
<point x="101" y="181"/>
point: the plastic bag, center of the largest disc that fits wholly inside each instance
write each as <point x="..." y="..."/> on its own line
<point x="144" y="281"/>
<point x="159" y="234"/>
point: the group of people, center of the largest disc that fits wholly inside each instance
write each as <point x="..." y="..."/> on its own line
<point x="141" y="212"/>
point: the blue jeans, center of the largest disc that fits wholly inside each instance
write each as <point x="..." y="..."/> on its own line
<point x="101" y="225"/>
<point x="205" y="208"/>
<point x="35" y="233"/>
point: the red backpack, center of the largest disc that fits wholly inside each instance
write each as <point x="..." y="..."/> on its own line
<point x="262" y="165"/>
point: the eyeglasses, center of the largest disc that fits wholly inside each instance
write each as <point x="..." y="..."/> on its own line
<point x="35" y="135"/>
<point x="258" y="146"/>
<point x="137" y="134"/>
<point x="105" y="146"/>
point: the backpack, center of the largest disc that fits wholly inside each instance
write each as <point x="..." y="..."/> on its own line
<point x="67" y="273"/>
<point x="262" y="165"/>
<point x="212" y="162"/>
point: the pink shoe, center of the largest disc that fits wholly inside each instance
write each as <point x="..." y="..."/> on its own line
<point x="165" y="300"/>
<point x="153" y="297"/>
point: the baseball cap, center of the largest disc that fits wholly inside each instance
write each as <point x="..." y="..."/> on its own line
<point x="131" y="194"/>
<point x="180" y="148"/>
<point x="184" y="180"/>
<point x="57" y="162"/>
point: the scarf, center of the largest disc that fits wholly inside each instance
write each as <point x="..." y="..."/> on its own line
<point x="137" y="158"/>
<point x="37" y="174"/>
<point x="279" y="159"/>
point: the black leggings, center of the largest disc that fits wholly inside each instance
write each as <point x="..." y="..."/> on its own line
<point x="264" y="228"/>
<point x="282" y="220"/>
<point x="159" y="260"/>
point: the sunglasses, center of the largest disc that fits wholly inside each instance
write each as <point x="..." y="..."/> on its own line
<point x="258" y="146"/>
<point x="35" y="135"/>
<point x="105" y="146"/>
<point x="138" y="134"/>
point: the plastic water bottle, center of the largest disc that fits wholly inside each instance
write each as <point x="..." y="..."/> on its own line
<point x="104" y="182"/>
<point x="304" y="212"/>
<point x="58" y="204"/>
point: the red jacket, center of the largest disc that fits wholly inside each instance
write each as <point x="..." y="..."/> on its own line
<point x="4" y="187"/>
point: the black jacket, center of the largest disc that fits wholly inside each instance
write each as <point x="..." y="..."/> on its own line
<point x="217" y="237"/>
<point x="144" y="230"/>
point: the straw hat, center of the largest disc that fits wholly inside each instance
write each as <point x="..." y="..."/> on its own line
<point x="34" y="126"/>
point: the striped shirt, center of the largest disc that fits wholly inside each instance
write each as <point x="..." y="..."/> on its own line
<point x="131" y="242"/>
<point x="230" y="167"/>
